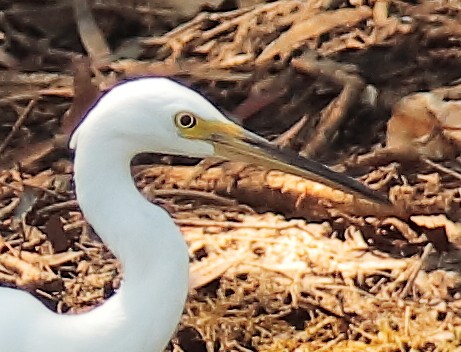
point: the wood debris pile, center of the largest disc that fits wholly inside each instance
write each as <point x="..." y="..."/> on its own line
<point x="341" y="274"/>
<point x="257" y="279"/>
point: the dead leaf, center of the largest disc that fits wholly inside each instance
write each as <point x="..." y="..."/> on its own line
<point x="91" y="36"/>
<point x="85" y="95"/>
<point x="56" y="235"/>
<point x="28" y="199"/>
<point x="423" y="124"/>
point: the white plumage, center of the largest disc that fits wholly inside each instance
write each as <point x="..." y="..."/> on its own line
<point x="137" y="116"/>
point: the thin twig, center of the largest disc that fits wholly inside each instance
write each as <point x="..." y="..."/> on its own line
<point x="415" y="270"/>
<point x="187" y="193"/>
<point x="231" y="224"/>
<point x="17" y="124"/>
<point x="69" y="204"/>
<point x="442" y="168"/>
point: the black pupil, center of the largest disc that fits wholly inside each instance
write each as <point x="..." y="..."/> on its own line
<point x="187" y="121"/>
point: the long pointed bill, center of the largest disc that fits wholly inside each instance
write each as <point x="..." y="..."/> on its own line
<point x="238" y="143"/>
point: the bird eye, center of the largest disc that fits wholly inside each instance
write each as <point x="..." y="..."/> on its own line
<point x="185" y="120"/>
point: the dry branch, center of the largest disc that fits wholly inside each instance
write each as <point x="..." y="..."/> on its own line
<point x="265" y="190"/>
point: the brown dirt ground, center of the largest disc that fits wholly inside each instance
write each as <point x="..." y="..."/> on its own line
<point x="277" y="263"/>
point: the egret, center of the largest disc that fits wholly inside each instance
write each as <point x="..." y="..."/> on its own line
<point x="141" y="115"/>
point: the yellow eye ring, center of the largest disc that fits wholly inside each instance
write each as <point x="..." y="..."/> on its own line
<point x="185" y="120"/>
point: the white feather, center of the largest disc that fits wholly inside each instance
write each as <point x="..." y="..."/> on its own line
<point x="136" y="116"/>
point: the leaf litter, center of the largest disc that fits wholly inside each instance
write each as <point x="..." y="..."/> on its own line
<point x="277" y="263"/>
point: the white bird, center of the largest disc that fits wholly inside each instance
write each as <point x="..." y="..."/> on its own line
<point x="140" y="115"/>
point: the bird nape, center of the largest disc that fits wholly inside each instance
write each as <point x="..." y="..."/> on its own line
<point x="141" y="115"/>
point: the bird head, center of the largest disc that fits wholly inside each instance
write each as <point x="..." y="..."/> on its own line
<point x="159" y="115"/>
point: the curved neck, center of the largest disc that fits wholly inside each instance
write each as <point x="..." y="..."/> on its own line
<point x="143" y="314"/>
<point x="111" y="203"/>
